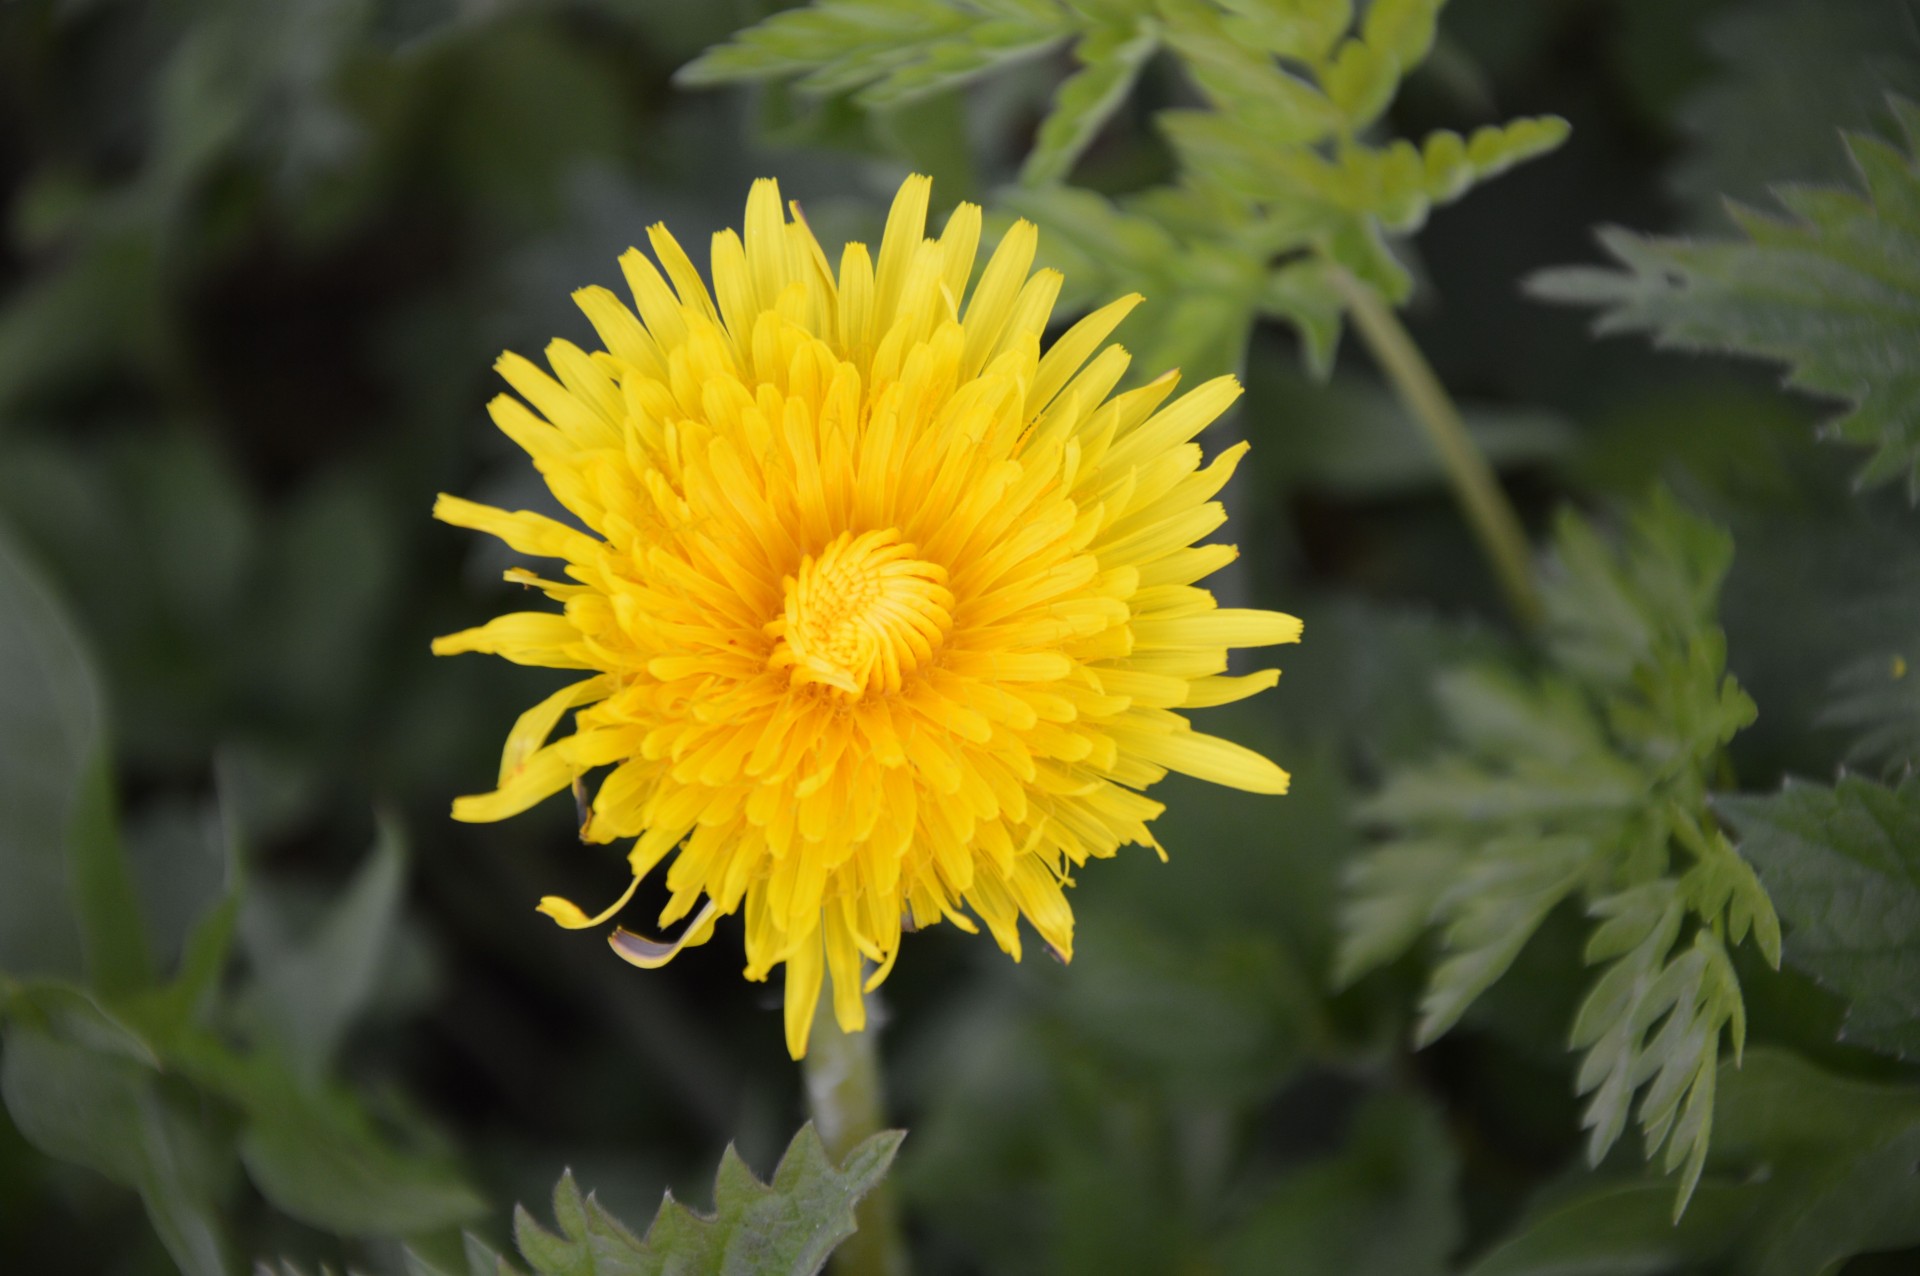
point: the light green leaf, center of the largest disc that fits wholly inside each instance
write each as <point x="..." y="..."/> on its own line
<point x="1608" y="612"/>
<point x="892" y="52"/>
<point x="1491" y="909"/>
<point x="1110" y="61"/>
<point x="1655" y="1020"/>
<point x="1245" y="84"/>
<point x="1361" y="79"/>
<point x="786" y="1227"/>
<point x="1402" y="29"/>
<point x="1390" y="900"/>
<point x="1303" y="30"/>
<point x="1844" y="865"/>
<point x="1832" y="289"/>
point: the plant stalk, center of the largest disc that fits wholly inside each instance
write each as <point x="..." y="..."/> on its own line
<point x="1488" y="511"/>
<point x="842" y="1072"/>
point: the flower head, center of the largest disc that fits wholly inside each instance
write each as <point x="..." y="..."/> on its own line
<point x="886" y="613"/>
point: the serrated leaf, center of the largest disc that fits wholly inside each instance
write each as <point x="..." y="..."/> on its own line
<point x="1245" y="84"/>
<point x="1589" y="779"/>
<point x="1390" y="899"/>
<point x="1832" y="290"/>
<point x="785" y="1227"/>
<point x="1843" y="863"/>
<point x="1492" y="909"/>
<point x="1607" y="612"/>
<point x="1655" y="1020"/>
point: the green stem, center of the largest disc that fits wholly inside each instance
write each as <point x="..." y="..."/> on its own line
<point x="843" y="1093"/>
<point x="1494" y="523"/>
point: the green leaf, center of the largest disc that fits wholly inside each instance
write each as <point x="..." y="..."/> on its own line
<point x="1844" y="865"/>
<point x="111" y="1114"/>
<point x="321" y="1162"/>
<point x="1391" y="899"/>
<point x="1620" y="1228"/>
<point x="1609" y="612"/>
<point x="1808" y="1170"/>
<point x="786" y="1227"/>
<point x="1842" y="1153"/>
<point x="1654" y="1019"/>
<point x="51" y="732"/>
<point x="1588" y="780"/>
<point x="1303" y="30"/>
<point x="75" y="1103"/>
<point x="1110" y="61"/>
<point x="308" y="994"/>
<point x="891" y="52"/>
<point x="111" y="927"/>
<point x="1245" y="84"/>
<point x="1402" y="29"/>
<point x="1201" y="299"/>
<point x="1491" y="909"/>
<point x="1832" y="289"/>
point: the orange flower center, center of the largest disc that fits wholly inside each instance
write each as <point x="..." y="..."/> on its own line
<point x="863" y="613"/>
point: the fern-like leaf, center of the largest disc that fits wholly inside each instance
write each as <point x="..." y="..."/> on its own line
<point x="1832" y="289"/>
<point x="1110" y="60"/>
<point x="1278" y="158"/>
<point x="1588" y="781"/>
<point x="889" y="53"/>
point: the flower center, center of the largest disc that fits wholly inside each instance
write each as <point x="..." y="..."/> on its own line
<point x="862" y="613"/>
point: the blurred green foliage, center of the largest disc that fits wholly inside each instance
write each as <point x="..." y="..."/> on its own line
<point x="256" y="264"/>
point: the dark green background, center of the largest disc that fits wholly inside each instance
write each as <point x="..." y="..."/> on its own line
<point x="257" y="260"/>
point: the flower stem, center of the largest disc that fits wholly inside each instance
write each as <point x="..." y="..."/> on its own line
<point x="1488" y="512"/>
<point x="842" y="1073"/>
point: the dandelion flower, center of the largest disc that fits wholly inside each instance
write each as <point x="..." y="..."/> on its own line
<point x="886" y="613"/>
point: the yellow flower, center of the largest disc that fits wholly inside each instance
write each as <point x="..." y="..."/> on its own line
<point x="887" y="612"/>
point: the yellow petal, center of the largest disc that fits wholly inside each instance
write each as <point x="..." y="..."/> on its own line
<point x="651" y="954"/>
